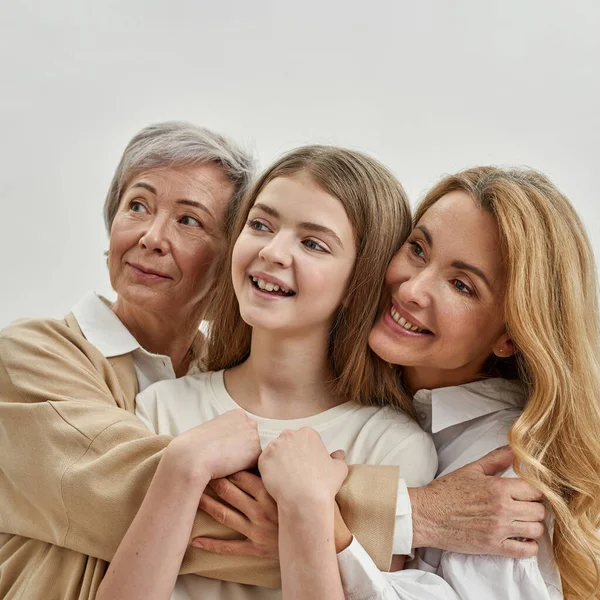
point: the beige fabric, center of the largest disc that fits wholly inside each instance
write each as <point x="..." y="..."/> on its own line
<point x="75" y="463"/>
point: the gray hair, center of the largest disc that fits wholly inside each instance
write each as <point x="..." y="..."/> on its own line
<point x="175" y="144"/>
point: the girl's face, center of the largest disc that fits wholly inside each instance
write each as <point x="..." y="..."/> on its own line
<point x="293" y="259"/>
<point x="442" y="313"/>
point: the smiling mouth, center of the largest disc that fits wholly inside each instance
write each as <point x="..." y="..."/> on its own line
<point x="271" y="288"/>
<point x="407" y="324"/>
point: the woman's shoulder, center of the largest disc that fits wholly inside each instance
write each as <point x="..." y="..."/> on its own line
<point x="56" y="340"/>
<point x="395" y="438"/>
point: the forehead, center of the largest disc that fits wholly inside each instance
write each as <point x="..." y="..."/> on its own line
<point x="205" y="183"/>
<point x="463" y="231"/>
<point x="298" y="198"/>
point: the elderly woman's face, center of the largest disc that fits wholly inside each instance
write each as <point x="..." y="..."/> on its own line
<point x="165" y="236"/>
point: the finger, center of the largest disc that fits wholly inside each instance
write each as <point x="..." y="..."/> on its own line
<point x="523" y="491"/>
<point x="224" y="515"/>
<point x="233" y="495"/>
<point x="530" y="531"/>
<point x="338" y="455"/>
<point x="494" y="462"/>
<point x="228" y="547"/>
<point x="529" y="511"/>
<point x="249" y="483"/>
<point x="518" y="549"/>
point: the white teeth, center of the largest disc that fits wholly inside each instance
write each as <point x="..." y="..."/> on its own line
<point x="267" y="286"/>
<point x="403" y="322"/>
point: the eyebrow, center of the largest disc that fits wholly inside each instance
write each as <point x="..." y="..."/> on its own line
<point x="458" y="264"/>
<point x="304" y="225"/>
<point x="426" y="233"/>
<point x="185" y="201"/>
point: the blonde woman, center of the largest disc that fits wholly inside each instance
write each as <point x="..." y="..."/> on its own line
<point x="498" y="276"/>
<point x="291" y="319"/>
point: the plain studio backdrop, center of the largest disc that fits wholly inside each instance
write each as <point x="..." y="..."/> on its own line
<point x="428" y="87"/>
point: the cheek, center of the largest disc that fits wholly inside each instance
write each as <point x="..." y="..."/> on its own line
<point x="122" y="237"/>
<point x="396" y="271"/>
<point x="466" y="328"/>
<point x="195" y="262"/>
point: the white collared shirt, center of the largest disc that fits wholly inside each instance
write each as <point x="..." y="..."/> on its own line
<point x="106" y="331"/>
<point x="466" y="422"/>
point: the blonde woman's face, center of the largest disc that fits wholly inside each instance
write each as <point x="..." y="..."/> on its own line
<point x="442" y="313"/>
<point x="293" y="259"/>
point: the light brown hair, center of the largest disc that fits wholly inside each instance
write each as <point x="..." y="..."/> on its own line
<point x="379" y="212"/>
<point x="551" y="313"/>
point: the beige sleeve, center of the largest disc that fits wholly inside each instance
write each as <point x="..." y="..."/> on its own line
<point x="75" y="467"/>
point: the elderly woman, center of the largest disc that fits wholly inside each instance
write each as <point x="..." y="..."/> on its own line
<point x="75" y="460"/>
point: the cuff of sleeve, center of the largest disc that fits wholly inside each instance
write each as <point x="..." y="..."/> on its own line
<point x="361" y="579"/>
<point x="367" y="502"/>
<point x="403" y="532"/>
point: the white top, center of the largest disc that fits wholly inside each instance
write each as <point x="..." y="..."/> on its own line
<point x="467" y="422"/>
<point x="371" y="435"/>
<point x="102" y="328"/>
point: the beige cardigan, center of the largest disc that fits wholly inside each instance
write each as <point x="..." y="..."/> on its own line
<point x="75" y="464"/>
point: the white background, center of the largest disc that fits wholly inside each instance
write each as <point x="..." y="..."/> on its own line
<point x="427" y="86"/>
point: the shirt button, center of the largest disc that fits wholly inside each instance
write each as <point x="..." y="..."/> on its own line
<point x="422" y="416"/>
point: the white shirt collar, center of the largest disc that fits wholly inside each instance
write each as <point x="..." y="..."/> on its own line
<point x="102" y="327"/>
<point x="457" y="404"/>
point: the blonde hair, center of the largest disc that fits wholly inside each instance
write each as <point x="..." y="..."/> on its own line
<point x="551" y="313"/>
<point x="379" y="212"/>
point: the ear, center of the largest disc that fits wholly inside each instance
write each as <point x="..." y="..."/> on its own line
<point x="503" y="347"/>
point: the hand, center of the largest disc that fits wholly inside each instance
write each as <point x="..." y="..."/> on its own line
<point x="296" y="468"/>
<point x="256" y="519"/>
<point x="217" y="448"/>
<point x="472" y="512"/>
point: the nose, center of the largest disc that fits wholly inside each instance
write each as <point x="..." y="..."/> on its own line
<point x="416" y="289"/>
<point x="277" y="251"/>
<point x="156" y="236"/>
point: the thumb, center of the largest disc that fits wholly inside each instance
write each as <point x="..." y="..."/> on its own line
<point x="338" y="454"/>
<point x="494" y="462"/>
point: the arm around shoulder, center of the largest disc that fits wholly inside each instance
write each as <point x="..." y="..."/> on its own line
<point x="75" y="464"/>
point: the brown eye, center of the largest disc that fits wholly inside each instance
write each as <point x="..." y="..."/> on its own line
<point x="137" y="207"/>
<point x="191" y="221"/>
<point x="417" y="249"/>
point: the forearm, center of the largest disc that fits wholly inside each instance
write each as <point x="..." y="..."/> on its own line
<point x="148" y="559"/>
<point x="307" y="552"/>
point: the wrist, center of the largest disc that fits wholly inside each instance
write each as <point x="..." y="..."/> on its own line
<point x="423" y="526"/>
<point x="184" y="466"/>
<point x="306" y="507"/>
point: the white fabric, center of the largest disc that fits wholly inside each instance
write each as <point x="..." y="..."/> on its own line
<point x="105" y="330"/>
<point x="370" y="435"/>
<point x="467" y="422"/>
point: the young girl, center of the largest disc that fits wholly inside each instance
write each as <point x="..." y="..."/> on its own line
<point x="290" y="322"/>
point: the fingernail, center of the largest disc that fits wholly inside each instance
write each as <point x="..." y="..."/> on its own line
<point x="197" y="544"/>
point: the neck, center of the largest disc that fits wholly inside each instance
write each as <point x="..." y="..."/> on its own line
<point x="159" y="333"/>
<point x="417" y="378"/>
<point x="284" y="377"/>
